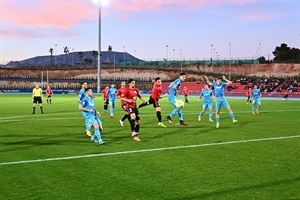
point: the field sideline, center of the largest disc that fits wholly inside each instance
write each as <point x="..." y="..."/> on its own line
<point x="49" y="157"/>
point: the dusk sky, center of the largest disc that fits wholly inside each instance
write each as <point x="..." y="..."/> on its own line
<point x="30" y="28"/>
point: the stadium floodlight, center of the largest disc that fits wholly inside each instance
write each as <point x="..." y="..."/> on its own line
<point x="99" y="3"/>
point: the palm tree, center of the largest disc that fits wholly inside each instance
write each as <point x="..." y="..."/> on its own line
<point x="51" y="56"/>
<point x="80" y="55"/>
<point x="95" y="54"/>
<point x="66" y="51"/>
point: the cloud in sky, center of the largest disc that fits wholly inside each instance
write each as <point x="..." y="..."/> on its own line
<point x="17" y="16"/>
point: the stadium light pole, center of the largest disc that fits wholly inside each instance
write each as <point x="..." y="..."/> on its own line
<point x="229" y="61"/>
<point x="99" y="3"/>
<point x="167" y="51"/>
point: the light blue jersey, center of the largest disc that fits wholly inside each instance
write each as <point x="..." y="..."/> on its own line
<point x="219" y="94"/>
<point x="219" y="89"/>
<point x="171" y="92"/>
<point x="256" y="96"/>
<point x="111" y="93"/>
<point x="206" y="94"/>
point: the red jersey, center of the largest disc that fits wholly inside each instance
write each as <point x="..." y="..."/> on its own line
<point x="104" y="93"/>
<point x="156" y="91"/>
<point x="186" y="91"/>
<point x="132" y="93"/>
<point x="121" y="94"/>
<point x="248" y="93"/>
<point x="48" y="91"/>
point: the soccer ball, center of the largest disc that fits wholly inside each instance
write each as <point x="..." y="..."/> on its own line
<point x="179" y="104"/>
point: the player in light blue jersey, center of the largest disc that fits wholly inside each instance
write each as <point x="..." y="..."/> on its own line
<point x="81" y="95"/>
<point x="172" y="97"/>
<point x="255" y="95"/>
<point x="207" y="95"/>
<point x="87" y="106"/>
<point x="111" y="93"/>
<point x="219" y="86"/>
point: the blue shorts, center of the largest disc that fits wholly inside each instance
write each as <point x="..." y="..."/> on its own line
<point x="221" y="101"/>
<point x="256" y="101"/>
<point x="206" y="105"/>
<point x="172" y="99"/>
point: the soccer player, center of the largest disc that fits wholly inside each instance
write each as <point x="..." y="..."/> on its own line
<point x="186" y="93"/>
<point x="49" y="94"/>
<point x="81" y="95"/>
<point x="131" y="95"/>
<point x="37" y="97"/>
<point x="220" y="98"/>
<point x="248" y="94"/>
<point x="154" y="100"/>
<point x="121" y="94"/>
<point x="172" y="97"/>
<point x="256" y="94"/>
<point x="111" y="93"/>
<point x="207" y="94"/>
<point x="105" y="98"/>
<point x="87" y="106"/>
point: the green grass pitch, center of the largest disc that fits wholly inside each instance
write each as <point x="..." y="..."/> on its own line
<point x="50" y="157"/>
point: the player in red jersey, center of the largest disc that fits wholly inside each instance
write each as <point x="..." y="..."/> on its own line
<point x="186" y="93"/>
<point x="130" y="97"/>
<point x="121" y="94"/>
<point x="105" y="98"/>
<point x="248" y="93"/>
<point x="154" y="100"/>
<point x="49" y="94"/>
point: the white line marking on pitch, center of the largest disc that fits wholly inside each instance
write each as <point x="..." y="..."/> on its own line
<point x="146" y="150"/>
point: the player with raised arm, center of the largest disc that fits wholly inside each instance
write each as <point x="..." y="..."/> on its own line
<point x="207" y="95"/>
<point x="87" y="106"/>
<point x="131" y="95"/>
<point x="154" y="100"/>
<point x="121" y="94"/>
<point x="255" y="95"/>
<point x="172" y="97"/>
<point x="111" y="93"/>
<point x="219" y="86"/>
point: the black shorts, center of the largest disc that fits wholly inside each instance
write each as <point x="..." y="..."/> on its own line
<point x="124" y="107"/>
<point x="49" y="96"/>
<point x="154" y="102"/>
<point x="135" y="111"/>
<point x="37" y="100"/>
<point x="106" y="101"/>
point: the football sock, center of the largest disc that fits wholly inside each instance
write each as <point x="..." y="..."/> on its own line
<point x="232" y="116"/>
<point x="217" y="119"/>
<point x="105" y="107"/>
<point x="87" y="125"/>
<point x="132" y="124"/>
<point x="174" y="112"/>
<point x="253" y="108"/>
<point x="158" y="115"/>
<point x="137" y="128"/>
<point x="180" y="115"/>
<point x="98" y="134"/>
<point x="111" y="111"/>
<point x="143" y="104"/>
<point x="125" y="117"/>
<point x="201" y="113"/>
<point x="258" y="107"/>
<point x="210" y="114"/>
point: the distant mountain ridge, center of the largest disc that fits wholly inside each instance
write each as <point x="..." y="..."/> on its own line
<point x="73" y="58"/>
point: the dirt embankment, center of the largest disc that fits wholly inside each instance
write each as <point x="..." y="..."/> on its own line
<point x="165" y="73"/>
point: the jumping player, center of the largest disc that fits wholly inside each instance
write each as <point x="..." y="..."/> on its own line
<point x="154" y="100"/>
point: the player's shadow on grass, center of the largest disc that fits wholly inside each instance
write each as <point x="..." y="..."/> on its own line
<point x="219" y="194"/>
